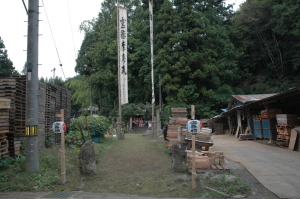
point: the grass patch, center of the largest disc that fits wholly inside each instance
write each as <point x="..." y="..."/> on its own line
<point x="136" y="165"/>
<point x="236" y="187"/>
<point x="13" y="176"/>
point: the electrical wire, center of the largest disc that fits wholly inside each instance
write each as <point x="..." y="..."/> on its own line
<point x="71" y="29"/>
<point x="60" y="64"/>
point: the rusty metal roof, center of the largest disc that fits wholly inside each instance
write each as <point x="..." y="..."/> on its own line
<point x="250" y="98"/>
<point x="240" y="100"/>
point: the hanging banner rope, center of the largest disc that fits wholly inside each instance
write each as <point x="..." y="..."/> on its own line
<point x="122" y="42"/>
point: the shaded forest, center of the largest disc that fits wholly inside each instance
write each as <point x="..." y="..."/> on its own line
<point x="204" y="52"/>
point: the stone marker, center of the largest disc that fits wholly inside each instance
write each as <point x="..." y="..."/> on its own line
<point x="87" y="159"/>
<point x="177" y="159"/>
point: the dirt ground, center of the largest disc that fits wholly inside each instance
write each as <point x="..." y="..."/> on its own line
<point x="139" y="165"/>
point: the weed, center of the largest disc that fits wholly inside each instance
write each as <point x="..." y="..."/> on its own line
<point x="231" y="188"/>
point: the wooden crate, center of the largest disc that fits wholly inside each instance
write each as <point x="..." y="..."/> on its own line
<point x="218" y="128"/>
<point x="207" y="162"/>
<point x="4" y="103"/>
<point x="270" y="113"/>
<point x="284" y="130"/>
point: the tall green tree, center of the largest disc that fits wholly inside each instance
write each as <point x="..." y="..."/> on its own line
<point x="197" y="57"/>
<point x="268" y="44"/>
<point x="6" y="65"/>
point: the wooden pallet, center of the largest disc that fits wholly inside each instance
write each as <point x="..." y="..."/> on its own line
<point x="248" y="136"/>
<point x="282" y="143"/>
<point x="207" y="161"/>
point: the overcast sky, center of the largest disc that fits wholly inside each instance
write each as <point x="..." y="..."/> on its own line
<point x="13" y="31"/>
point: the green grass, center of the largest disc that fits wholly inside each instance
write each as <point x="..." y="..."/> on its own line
<point x="236" y="187"/>
<point x="13" y="176"/>
<point x="136" y="165"/>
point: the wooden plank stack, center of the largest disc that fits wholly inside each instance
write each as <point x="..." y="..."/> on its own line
<point x="285" y="124"/>
<point x="270" y="113"/>
<point x="41" y="114"/>
<point x="218" y="128"/>
<point x="51" y="99"/>
<point x="4" y="125"/>
<point x="179" y="112"/>
<point x="203" y="136"/>
<point x="14" y="89"/>
<point x="247" y="135"/>
<point x="56" y="98"/>
<point x="207" y="161"/>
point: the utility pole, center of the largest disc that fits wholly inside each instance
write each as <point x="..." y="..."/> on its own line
<point x="152" y="68"/>
<point x="31" y="129"/>
<point x="53" y="74"/>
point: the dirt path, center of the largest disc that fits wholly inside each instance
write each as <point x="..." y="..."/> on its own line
<point x="138" y="166"/>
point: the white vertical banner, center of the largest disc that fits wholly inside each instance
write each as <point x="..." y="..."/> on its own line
<point x="151" y="43"/>
<point x="123" y="73"/>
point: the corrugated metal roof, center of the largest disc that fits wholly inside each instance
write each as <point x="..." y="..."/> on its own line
<point x="250" y="98"/>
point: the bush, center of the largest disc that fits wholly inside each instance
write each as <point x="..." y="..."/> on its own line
<point x="75" y="139"/>
<point x="96" y="125"/>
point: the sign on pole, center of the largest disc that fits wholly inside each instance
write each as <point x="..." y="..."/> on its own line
<point x="59" y="127"/>
<point x="193" y="126"/>
<point x="122" y="42"/>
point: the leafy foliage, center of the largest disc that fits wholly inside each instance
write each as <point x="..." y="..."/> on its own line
<point x="6" y="65"/>
<point x="74" y="139"/>
<point x="95" y="125"/>
<point x="204" y="53"/>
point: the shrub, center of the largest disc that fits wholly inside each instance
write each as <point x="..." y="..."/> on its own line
<point x="75" y="139"/>
<point x="96" y="125"/>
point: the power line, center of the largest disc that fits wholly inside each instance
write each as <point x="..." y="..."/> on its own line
<point x="71" y="29"/>
<point x="25" y="6"/>
<point x="60" y="64"/>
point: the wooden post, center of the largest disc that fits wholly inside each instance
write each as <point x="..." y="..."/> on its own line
<point x="193" y="163"/>
<point x="62" y="148"/>
<point x="130" y="123"/>
<point x="193" y="151"/>
<point x="193" y="112"/>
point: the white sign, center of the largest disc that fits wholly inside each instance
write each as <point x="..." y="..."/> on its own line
<point x="122" y="39"/>
<point x="59" y="127"/>
<point x="193" y="126"/>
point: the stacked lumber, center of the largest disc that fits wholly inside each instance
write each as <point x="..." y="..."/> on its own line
<point x="41" y="114"/>
<point x="285" y="124"/>
<point x="173" y="131"/>
<point x="218" y="128"/>
<point x="57" y="98"/>
<point x="4" y="125"/>
<point x="203" y="136"/>
<point x="15" y="89"/>
<point x="51" y="99"/>
<point x="207" y="161"/>
<point x="247" y="135"/>
<point x="179" y="112"/>
<point x="287" y="119"/>
<point x="270" y="113"/>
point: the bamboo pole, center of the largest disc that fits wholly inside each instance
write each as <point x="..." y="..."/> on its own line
<point x="62" y="149"/>
<point x="193" y="151"/>
<point x="193" y="163"/>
